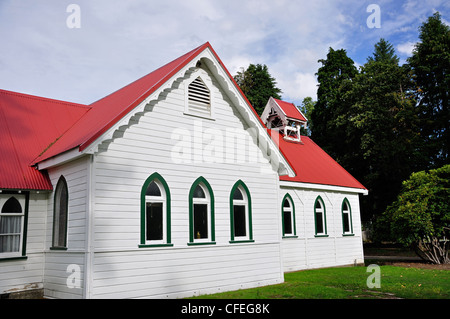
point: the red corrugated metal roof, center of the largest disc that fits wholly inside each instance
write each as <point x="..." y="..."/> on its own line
<point x="71" y="125"/>
<point x="290" y="110"/>
<point x="33" y="129"/>
<point x="313" y="165"/>
<point x="28" y="125"/>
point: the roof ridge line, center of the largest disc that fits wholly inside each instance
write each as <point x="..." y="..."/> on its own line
<point x="41" y="98"/>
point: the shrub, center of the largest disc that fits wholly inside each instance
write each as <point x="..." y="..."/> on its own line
<point x="420" y="217"/>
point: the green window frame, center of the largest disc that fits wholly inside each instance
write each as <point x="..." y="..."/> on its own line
<point x="288" y="217"/>
<point x="347" y="224"/>
<point x="240" y="204"/>
<point x="13" y="224"/>
<point x="201" y="213"/>
<point x="149" y="200"/>
<point x="320" y="218"/>
<point x="60" y="215"/>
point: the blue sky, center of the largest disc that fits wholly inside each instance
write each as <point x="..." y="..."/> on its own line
<point x="120" y="41"/>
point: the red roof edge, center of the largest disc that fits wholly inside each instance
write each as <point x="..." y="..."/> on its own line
<point x="268" y="131"/>
<point x="184" y="59"/>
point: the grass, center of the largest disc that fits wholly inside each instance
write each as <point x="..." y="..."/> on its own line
<point x="351" y="283"/>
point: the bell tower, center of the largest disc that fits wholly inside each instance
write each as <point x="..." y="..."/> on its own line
<point x="284" y="117"/>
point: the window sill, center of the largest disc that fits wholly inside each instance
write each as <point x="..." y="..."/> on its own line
<point x="241" y="241"/>
<point x="202" y="243"/>
<point x="346" y="235"/>
<point x="290" y="236"/>
<point x="324" y="235"/>
<point x="154" y="245"/>
<point x="58" y="248"/>
<point x="206" y="117"/>
<point x="12" y="258"/>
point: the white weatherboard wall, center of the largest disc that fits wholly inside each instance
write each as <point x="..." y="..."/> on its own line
<point x="26" y="274"/>
<point x="120" y="268"/>
<point x="308" y="251"/>
<point x="61" y="264"/>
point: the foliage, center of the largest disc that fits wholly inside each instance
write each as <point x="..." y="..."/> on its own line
<point x="334" y="77"/>
<point x="367" y="121"/>
<point x="384" y="52"/>
<point x="258" y="86"/>
<point x="420" y="217"/>
<point x="430" y="65"/>
<point x="307" y="108"/>
<point x="380" y="122"/>
<point x="382" y="127"/>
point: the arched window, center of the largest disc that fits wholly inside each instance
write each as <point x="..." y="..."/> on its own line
<point x="320" y="217"/>
<point x="240" y="213"/>
<point x="288" y="216"/>
<point x="11" y="226"/>
<point x="60" y="214"/>
<point x="155" y="212"/>
<point x="201" y="213"/>
<point x="346" y="218"/>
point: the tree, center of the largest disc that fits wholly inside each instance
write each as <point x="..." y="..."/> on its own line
<point x="384" y="52"/>
<point x="367" y="121"/>
<point x="307" y="108"/>
<point x="420" y="217"/>
<point x="383" y="127"/>
<point x="328" y="116"/>
<point x="258" y="86"/>
<point x="430" y="64"/>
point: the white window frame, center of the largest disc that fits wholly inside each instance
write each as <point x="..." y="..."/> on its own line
<point x="157" y="199"/>
<point x="242" y="202"/>
<point x="22" y="201"/>
<point x="291" y="211"/>
<point x="322" y="211"/>
<point x="206" y="201"/>
<point x="347" y="214"/>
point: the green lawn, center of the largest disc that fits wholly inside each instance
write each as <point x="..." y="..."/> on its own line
<point x="351" y="283"/>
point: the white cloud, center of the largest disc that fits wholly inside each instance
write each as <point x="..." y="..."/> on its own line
<point x="406" y="48"/>
<point x="299" y="86"/>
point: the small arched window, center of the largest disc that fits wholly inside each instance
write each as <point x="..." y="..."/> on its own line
<point x="288" y="216"/>
<point x="155" y="212"/>
<point x="201" y="213"/>
<point x="11" y="226"/>
<point x="320" y="217"/>
<point x="60" y="214"/>
<point x="346" y="218"/>
<point x="240" y="213"/>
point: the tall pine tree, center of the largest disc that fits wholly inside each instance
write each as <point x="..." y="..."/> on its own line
<point x="258" y="86"/>
<point x="328" y="118"/>
<point x="430" y="64"/>
<point x="382" y="116"/>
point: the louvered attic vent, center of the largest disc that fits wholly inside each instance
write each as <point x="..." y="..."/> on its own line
<point x="199" y="97"/>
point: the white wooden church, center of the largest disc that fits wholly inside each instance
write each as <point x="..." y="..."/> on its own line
<point x="170" y="187"/>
